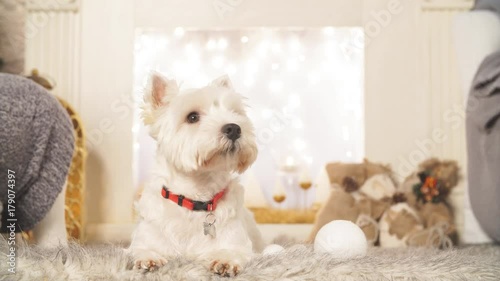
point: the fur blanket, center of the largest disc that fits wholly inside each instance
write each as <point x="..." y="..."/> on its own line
<point x="297" y="262"/>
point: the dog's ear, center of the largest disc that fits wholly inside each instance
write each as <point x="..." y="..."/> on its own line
<point x="223" y="82"/>
<point x="157" y="94"/>
<point x="159" y="90"/>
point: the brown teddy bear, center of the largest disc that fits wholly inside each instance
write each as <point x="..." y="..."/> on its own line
<point x="360" y="193"/>
<point x="425" y="219"/>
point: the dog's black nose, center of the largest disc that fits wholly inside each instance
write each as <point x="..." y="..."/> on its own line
<point x="232" y="131"/>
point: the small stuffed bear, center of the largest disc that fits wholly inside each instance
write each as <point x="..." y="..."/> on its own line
<point x="360" y="193"/>
<point x="425" y="219"/>
<point x="359" y="172"/>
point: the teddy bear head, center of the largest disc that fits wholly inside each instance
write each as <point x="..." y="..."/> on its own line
<point x="352" y="176"/>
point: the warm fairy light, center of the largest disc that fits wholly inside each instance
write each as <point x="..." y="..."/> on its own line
<point x="222" y="44"/>
<point x="299" y="144"/>
<point x="293" y="101"/>
<point x="248" y="82"/>
<point x="276" y="47"/>
<point x="295" y="45"/>
<point x="267" y="113"/>
<point x="329" y="31"/>
<point x="231" y="70"/>
<point x="191" y="51"/>
<point x="211" y="44"/>
<point x="179" y="32"/>
<point x="289" y="78"/>
<point x="298" y="124"/>
<point x="308" y="160"/>
<point x="178" y="67"/>
<point x="345" y="133"/>
<point x="262" y="49"/>
<point x="276" y="86"/>
<point x="252" y="66"/>
<point x="218" y="62"/>
<point x="313" y="78"/>
<point x="292" y="65"/>
<point x="202" y="81"/>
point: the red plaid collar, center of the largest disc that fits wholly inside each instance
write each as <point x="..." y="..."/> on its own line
<point x="190" y="204"/>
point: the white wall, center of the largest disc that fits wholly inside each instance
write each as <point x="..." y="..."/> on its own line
<point x="106" y="87"/>
<point x="393" y="103"/>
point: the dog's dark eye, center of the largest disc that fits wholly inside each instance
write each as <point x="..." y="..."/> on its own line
<point x="193" y="117"/>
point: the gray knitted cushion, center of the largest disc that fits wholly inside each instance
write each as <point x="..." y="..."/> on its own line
<point x="483" y="145"/>
<point x="492" y="5"/>
<point x="36" y="142"/>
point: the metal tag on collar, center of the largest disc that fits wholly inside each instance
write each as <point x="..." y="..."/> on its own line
<point x="209" y="224"/>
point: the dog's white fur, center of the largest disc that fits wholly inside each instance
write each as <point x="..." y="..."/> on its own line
<point x="196" y="160"/>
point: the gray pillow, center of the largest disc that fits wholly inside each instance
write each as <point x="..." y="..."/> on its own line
<point x="483" y="145"/>
<point x="492" y="5"/>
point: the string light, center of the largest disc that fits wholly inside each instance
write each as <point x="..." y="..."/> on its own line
<point x="276" y="85"/>
<point x="277" y="67"/>
<point x="294" y="101"/>
<point x="248" y="82"/>
<point x="308" y="160"/>
<point x="211" y="44"/>
<point x="190" y="51"/>
<point x="313" y="78"/>
<point x="276" y="48"/>
<point x="252" y="66"/>
<point x="218" y="62"/>
<point x="179" y="32"/>
<point x="267" y="113"/>
<point x="298" y="124"/>
<point x="231" y="69"/>
<point x="292" y="65"/>
<point x="290" y="162"/>
<point x="222" y="44"/>
<point x="329" y="31"/>
<point x="295" y="45"/>
<point x="299" y="144"/>
<point x="345" y="133"/>
<point x="263" y="48"/>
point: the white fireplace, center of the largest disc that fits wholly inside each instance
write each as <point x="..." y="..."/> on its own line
<point x="94" y="67"/>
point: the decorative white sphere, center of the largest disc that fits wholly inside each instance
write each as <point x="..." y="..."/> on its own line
<point x="272" y="249"/>
<point x="341" y="238"/>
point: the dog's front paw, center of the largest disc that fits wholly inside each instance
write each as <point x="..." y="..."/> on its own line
<point x="149" y="264"/>
<point x="147" y="260"/>
<point x="225" y="268"/>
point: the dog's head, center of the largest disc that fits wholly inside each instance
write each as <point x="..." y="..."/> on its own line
<point x="203" y="129"/>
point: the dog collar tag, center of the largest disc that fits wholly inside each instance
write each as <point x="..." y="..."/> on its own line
<point x="209" y="225"/>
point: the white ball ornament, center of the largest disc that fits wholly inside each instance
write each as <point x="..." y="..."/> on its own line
<point x="343" y="239"/>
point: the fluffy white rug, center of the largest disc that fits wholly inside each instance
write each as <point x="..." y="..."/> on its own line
<point x="297" y="262"/>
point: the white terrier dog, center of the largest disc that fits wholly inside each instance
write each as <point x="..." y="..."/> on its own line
<point x="193" y="206"/>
